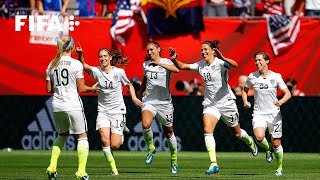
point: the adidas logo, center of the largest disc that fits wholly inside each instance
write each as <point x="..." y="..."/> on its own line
<point x="42" y="132"/>
<point x="136" y="141"/>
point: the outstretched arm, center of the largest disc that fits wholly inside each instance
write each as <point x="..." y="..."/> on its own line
<point x="178" y="64"/>
<point x="86" y="66"/>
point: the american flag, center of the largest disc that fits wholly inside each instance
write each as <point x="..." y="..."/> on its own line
<point x="271" y="8"/>
<point x="122" y="21"/>
<point x="282" y="31"/>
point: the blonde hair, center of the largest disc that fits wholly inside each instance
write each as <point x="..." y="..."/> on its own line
<point x="64" y="43"/>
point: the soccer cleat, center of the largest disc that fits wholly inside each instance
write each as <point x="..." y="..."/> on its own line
<point x="279" y="172"/>
<point x="126" y="130"/>
<point x="174" y="168"/>
<point x="82" y="176"/>
<point x="52" y="174"/>
<point x="255" y="152"/>
<point x="213" y="170"/>
<point x="149" y="157"/>
<point x="269" y="156"/>
<point x="113" y="173"/>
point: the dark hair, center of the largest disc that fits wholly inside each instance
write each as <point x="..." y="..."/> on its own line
<point x="155" y="44"/>
<point x="117" y="57"/>
<point x="292" y="81"/>
<point x="264" y="54"/>
<point x="213" y="44"/>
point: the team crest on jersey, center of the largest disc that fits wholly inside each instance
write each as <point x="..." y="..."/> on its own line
<point x="160" y="68"/>
<point x="115" y="77"/>
<point x="213" y="67"/>
<point x="272" y="81"/>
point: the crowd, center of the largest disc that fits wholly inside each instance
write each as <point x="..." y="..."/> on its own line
<point x="211" y="8"/>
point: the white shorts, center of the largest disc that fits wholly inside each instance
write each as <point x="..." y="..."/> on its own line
<point x="116" y="122"/>
<point x="227" y="111"/>
<point x="271" y="121"/>
<point x="163" y="112"/>
<point x="73" y="122"/>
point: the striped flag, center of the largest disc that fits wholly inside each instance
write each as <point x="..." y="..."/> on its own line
<point x="271" y="8"/>
<point x="122" y="21"/>
<point x="282" y="31"/>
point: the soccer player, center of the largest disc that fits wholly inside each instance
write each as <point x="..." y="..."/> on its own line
<point x="157" y="101"/>
<point x="266" y="111"/>
<point x="219" y="100"/>
<point x="64" y="75"/>
<point x="111" y="118"/>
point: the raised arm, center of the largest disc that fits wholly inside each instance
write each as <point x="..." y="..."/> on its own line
<point x="178" y="64"/>
<point x="86" y="66"/>
<point x="231" y="62"/>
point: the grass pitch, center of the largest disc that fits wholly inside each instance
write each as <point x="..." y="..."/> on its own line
<point x="25" y="165"/>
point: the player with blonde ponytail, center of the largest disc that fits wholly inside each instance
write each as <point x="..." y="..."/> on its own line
<point x="64" y="78"/>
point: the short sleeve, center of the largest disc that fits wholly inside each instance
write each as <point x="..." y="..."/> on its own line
<point x="281" y="83"/>
<point x="79" y="70"/>
<point x="249" y="81"/>
<point x="123" y="77"/>
<point x="194" y="66"/>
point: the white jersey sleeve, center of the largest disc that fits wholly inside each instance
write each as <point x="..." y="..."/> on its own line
<point x="123" y="77"/>
<point x="281" y="84"/>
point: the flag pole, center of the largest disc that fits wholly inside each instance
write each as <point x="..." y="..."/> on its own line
<point x="144" y="17"/>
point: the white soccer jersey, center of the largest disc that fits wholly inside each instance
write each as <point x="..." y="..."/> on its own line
<point x="64" y="80"/>
<point x="157" y="85"/>
<point x="215" y="77"/>
<point x="265" y="91"/>
<point x="110" y="98"/>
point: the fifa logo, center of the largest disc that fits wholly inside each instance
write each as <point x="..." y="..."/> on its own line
<point x="50" y="22"/>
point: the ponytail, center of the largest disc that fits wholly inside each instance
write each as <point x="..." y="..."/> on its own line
<point x="64" y="43"/>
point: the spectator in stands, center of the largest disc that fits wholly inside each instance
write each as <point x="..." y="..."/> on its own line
<point x="292" y="86"/>
<point x="87" y="8"/>
<point x="50" y="5"/>
<point x="311" y="7"/>
<point x="242" y="81"/>
<point x="266" y="113"/>
<point x="241" y="8"/>
<point x="216" y="8"/>
<point x="111" y="7"/>
<point x="64" y="78"/>
<point x="219" y="101"/>
<point x="111" y="108"/>
<point x="157" y="101"/>
<point x="195" y="88"/>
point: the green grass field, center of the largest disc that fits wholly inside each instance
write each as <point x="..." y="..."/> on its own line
<point x="25" y="165"/>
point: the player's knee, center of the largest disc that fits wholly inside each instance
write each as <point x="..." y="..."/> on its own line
<point x="105" y="140"/>
<point x="115" y="145"/>
<point x="237" y="134"/>
<point x="259" y="139"/>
